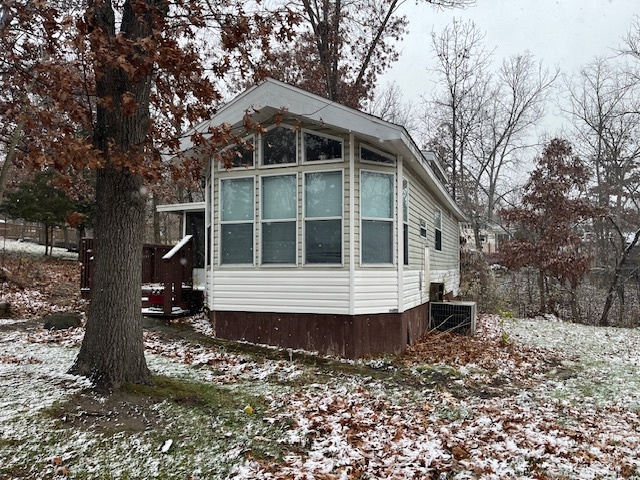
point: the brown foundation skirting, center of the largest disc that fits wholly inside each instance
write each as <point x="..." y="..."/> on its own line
<point x="341" y="335"/>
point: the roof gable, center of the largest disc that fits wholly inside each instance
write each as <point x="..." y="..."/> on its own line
<point x="272" y="97"/>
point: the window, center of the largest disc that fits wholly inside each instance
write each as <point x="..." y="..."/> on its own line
<point x="323" y="217"/>
<point x="371" y="155"/>
<point x="279" y="146"/>
<point x="195" y="226"/>
<point x="437" y="221"/>
<point x="237" y="214"/>
<point x="423" y="228"/>
<point x="376" y="198"/>
<point x="321" y="148"/>
<point x="238" y="156"/>
<point x="279" y="212"/>
<point x="405" y="219"/>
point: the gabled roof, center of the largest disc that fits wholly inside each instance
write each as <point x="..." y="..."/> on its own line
<point x="272" y="97"/>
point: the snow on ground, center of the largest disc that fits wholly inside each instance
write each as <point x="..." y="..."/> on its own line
<point x="573" y="417"/>
<point x="9" y="245"/>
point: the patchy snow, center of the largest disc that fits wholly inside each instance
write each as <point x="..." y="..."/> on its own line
<point x="31" y="248"/>
<point x="546" y="400"/>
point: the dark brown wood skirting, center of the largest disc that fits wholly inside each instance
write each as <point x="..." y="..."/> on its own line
<point x="341" y="335"/>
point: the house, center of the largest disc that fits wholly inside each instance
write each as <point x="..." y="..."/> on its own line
<point x="331" y="232"/>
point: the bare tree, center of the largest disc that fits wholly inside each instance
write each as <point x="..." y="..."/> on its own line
<point x="387" y="103"/>
<point x="490" y="117"/>
<point x="463" y="66"/>
<point x="604" y="109"/>
<point x="342" y="46"/>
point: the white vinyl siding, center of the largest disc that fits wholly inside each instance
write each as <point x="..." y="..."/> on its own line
<point x="443" y="263"/>
<point x="375" y="291"/>
<point x="283" y="291"/>
<point x="414" y="295"/>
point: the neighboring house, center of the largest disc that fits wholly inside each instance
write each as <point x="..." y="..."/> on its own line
<point x="330" y="235"/>
<point x="491" y="238"/>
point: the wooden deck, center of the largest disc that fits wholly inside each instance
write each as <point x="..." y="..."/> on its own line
<point x="167" y="277"/>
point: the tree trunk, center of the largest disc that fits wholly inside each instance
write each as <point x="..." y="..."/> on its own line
<point x="617" y="279"/>
<point x="542" y="293"/>
<point x="46" y="239"/>
<point x="112" y="352"/>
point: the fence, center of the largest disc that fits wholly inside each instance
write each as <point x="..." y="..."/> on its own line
<point x="34" y="232"/>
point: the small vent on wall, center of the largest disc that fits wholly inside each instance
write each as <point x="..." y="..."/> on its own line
<point x="459" y="317"/>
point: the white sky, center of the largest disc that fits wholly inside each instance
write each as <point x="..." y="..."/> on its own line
<point x="562" y="33"/>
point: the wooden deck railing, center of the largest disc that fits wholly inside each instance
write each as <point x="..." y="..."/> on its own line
<point x="169" y="266"/>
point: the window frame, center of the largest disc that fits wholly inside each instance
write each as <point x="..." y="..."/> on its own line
<point x="422" y="228"/>
<point x="262" y="149"/>
<point x="405" y="219"/>
<point x="247" y="139"/>
<point x="305" y="218"/>
<point x="437" y="229"/>
<point x="392" y="159"/>
<point x="391" y="220"/>
<point x="324" y="135"/>
<point x="294" y="219"/>
<point x="222" y="222"/>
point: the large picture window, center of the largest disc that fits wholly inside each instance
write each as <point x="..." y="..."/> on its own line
<point x="279" y="213"/>
<point x="279" y="146"/>
<point x="236" y="222"/>
<point x="323" y="217"/>
<point x="376" y="197"/>
<point x="321" y="148"/>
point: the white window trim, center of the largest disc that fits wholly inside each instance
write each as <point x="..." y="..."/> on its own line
<point x="221" y="222"/>
<point x="247" y="139"/>
<point x="305" y="218"/>
<point x="421" y="224"/>
<point x="379" y="152"/>
<point x="279" y="165"/>
<point x="405" y="221"/>
<point x="393" y="220"/>
<point x="261" y="220"/>
<point x="318" y="134"/>
<point x="436" y="229"/>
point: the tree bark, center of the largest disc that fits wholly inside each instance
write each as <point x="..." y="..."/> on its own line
<point x="112" y="351"/>
<point x="617" y="279"/>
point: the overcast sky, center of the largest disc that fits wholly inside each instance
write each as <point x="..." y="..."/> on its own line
<point x="562" y="33"/>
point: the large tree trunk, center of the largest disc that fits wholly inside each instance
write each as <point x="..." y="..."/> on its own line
<point x="113" y="351"/>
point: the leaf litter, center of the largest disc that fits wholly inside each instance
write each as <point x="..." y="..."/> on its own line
<point x="526" y="399"/>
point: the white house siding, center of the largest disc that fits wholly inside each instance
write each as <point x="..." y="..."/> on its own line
<point x="282" y="291"/>
<point x="450" y="279"/>
<point x="422" y="205"/>
<point x="413" y="289"/>
<point x="375" y="291"/>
